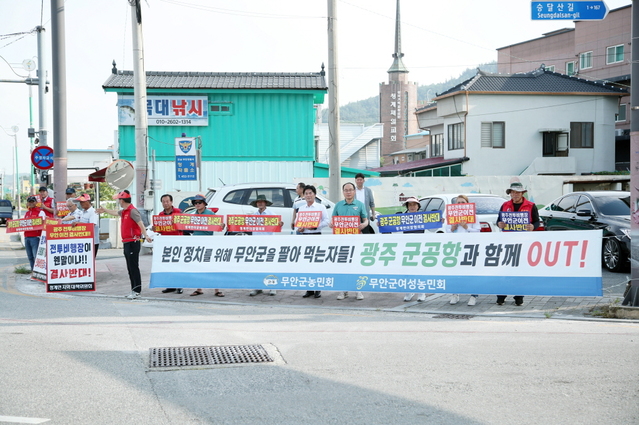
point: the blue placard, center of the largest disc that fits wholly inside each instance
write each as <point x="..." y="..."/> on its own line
<point x="185" y="168"/>
<point x="568" y="10"/>
<point x="409" y="221"/>
<point x="516" y="221"/>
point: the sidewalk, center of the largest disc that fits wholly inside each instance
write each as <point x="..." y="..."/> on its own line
<point x="113" y="281"/>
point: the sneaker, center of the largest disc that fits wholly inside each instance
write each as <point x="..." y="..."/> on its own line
<point x="360" y="296"/>
<point x="408" y="297"/>
<point x="472" y="301"/>
<point x="421" y="298"/>
<point x="272" y="292"/>
<point x="341" y="296"/>
<point x="454" y="299"/>
<point x="254" y="292"/>
<point x="133" y="295"/>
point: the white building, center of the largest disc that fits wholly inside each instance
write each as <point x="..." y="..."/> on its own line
<point x="540" y="122"/>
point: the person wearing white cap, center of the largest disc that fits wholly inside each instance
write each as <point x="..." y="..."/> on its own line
<point x="412" y="205"/>
<point x="90" y="216"/>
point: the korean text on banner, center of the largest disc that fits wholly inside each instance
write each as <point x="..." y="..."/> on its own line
<point x="62" y="209"/>
<point x="308" y="219"/>
<point x="70" y="259"/>
<point x="524" y="263"/>
<point x="206" y="223"/>
<point x="253" y="223"/>
<point x="516" y="221"/>
<point x="25" y="224"/>
<point x="163" y="223"/>
<point x="346" y="225"/>
<point x="458" y="213"/>
<point x="410" y="221"/>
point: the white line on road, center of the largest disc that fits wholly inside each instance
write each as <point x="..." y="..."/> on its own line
<point x="19" y="420"/>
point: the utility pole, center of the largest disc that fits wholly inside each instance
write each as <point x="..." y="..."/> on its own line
<point x="334" y="163"/>
<point x="632" y="298"/>
<point x="42" y="88"/>
<point x="59" y="86"/>
<point x="141" y="118"/>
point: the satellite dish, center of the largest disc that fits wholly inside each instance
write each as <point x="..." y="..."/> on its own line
<point x="119" y="175"/>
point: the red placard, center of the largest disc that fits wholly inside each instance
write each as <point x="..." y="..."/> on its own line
<point x="62" y="209"/>
<point x="25" y="224"/>
<point x="458" y="213"/>
<point x="163" y="223"/>
<point x="253" y="223"/>
<point x="201" y="222"/>
<point x="346" y="224"/>
<point x="308" y="219"/>
<point x="70" y="260"/>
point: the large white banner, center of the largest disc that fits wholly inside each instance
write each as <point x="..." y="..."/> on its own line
<point x="525" y="263"/>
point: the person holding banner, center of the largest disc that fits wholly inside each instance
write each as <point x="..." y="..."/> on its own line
<point x="46" y="201"/>
<point x="32" y="237"/>
<point x="518" y="203"/>
<point x="169" y="209"/>
<point x="88" y="215"/>
<point x="74" y="213"/>
<point x="350" y="206"/>
<point x="310" y="207"/>
<point x="365" y="196"/>
<point x="261" y="203"/>
<point x="412" y="206"/>
<point x="199" y="202"/>
<point x="463" y="227"/>
<point x="297" y="203"/>
<point x="132" y="229"/>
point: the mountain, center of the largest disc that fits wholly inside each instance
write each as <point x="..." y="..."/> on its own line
<point x="367" y="111"/>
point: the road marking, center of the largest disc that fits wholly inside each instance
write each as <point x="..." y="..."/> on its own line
<point x="19" y="420"/>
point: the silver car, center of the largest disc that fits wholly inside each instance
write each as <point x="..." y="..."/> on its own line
<point x="486" y="206"/>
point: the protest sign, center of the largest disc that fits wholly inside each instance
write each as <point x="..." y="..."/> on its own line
<point x="253" y="223"/>
<point x="201" y="222"/>
<point x="460" y="213"/>
<point x="346" y="225"/>
<point x="525" y="263"/>
<point x="70" y="260"/>
<point x="308" y="219"/>
<point x="410" y="221"/>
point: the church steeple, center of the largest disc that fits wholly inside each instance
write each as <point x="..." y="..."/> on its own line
<point x="398" y="64"/>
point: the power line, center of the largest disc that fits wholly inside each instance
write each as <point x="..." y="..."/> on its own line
<point x="239" y="12"/>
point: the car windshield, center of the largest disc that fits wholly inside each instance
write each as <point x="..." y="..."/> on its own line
<point x="486" y="204"/>
<point x="613" y="205"/>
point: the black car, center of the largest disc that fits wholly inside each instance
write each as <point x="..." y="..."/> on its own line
<point x="607" y="210"/>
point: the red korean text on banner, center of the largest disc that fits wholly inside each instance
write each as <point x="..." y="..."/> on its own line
<point x="253" y="223"/>
<point x="346" y="225"/>
<point x="163" y="223"/>
<point x="70" y="259"/>
<point x="201" y="222"/>
<point x="460" y="213"/>
<point x="25" y="225"/>
<point x="62" y="209"/>
<point x="308" y="219"/>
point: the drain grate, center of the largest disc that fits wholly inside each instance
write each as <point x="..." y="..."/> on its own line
<point x="454" y="316"/>
<point x="202" y="356"/>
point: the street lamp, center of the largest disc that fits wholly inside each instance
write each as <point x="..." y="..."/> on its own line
<point x="16" y="192"/>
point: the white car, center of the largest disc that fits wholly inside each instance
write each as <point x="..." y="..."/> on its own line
<point x="486" y="206"/>
<point x="237" y="198"/>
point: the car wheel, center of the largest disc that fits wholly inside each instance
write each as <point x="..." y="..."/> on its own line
<point x="612" y="256"/>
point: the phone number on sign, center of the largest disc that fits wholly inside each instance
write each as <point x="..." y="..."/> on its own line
<point x="170" y="122"/>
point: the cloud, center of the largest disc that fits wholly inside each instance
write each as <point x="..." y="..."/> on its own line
<point x="407" y="185"/>
<point x="373" y="182"/>
<point x="467" y="184"/>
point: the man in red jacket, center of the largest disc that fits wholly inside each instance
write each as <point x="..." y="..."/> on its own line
<point x="131" y="229"/>
<point x="169" y="209"/>
<point x="32" y="237"/>
<point x="47" y="202"/>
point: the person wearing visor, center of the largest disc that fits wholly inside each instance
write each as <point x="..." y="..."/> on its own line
<point x="412" y="205"/>
<point x="132" y="230"/>
<point x="199" y="202"/>
<point x="88" y="215"/>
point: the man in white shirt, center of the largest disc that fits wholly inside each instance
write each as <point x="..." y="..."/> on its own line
<point x="365" y="196"/>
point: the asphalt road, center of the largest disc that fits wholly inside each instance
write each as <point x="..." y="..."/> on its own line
<point x="69" y="359"/>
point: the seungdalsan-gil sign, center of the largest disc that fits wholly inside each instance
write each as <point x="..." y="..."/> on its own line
<point x="522" y="263"/>
<point x="568" y="10"/>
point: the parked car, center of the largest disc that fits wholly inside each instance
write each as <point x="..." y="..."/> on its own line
<point x="6" y="211"/>
<point x="486" y="207"/>
<point x="237" y="198"/>
<point x="607" y="210"/>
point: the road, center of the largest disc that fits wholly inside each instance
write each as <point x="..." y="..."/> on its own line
<point x="85" y="360"/>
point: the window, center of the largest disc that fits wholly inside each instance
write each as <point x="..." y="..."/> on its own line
<point x="584" y="205"/>
<point x="275" y="195"/>
<point x="581" y="134"/>
<point x="614" y="54"/>
<point x="221" y="108"/>
<point x="550" y="68"/>
<point x="621" y="114"/>
<point x="493" y="134"/>
<point x="585" y="60"/>
<point x="455" y="136"/>
<point x="570" y="68"/>
<point x="437" y="145"/>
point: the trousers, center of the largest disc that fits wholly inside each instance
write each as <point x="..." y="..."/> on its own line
<point x="132" y="257"/>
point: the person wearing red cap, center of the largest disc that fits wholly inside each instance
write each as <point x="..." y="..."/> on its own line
<point x="132" y="229"/>
<point x="32" y="237"/>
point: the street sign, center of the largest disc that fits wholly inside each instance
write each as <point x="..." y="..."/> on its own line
<point x="568" y="10"/>
<point x="42" y="157"/>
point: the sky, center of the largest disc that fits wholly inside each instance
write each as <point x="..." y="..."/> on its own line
<point x="440" y="39"/>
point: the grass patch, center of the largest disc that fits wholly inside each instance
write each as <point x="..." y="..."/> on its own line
<point x="22" y="270"/>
